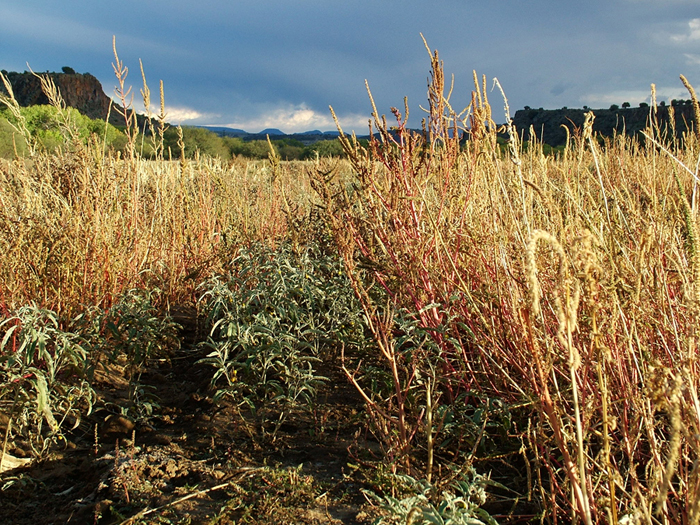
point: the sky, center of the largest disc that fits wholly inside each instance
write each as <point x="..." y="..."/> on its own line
<point x="256" y="64"/>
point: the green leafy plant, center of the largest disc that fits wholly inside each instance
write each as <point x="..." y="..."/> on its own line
<point x="132" y="327"/>
<point x="460" y="504"/>
<point x="44" y="375"/>
<point x="271" y="321"/>
<point x="133" y="331"/>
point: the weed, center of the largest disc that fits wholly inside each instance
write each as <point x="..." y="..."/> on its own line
<point x="44" y="376"/>
<point x="556" y="283"/>
<point x="460" y="504"/>
<point x="271" y="322"/>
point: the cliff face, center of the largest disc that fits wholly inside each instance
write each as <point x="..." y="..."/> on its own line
<point x="83" y="92"/>
<point x="547" y="123"/>
<point x="80" y="91"/>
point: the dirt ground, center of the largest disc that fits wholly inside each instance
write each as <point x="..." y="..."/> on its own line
<point x="194" y="461"/>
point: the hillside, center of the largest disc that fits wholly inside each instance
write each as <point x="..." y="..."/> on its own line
<point x="547" y="123"/>
<point x="85" y="93"/>
<point x="81" y="91"/>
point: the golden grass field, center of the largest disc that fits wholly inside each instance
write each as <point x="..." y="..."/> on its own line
<point x="556" y="295"/>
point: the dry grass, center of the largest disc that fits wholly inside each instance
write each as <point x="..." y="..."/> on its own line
<point x="567" y="285"/>
<point x="80" y="229"/>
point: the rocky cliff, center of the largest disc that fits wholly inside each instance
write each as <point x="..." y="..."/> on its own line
<point x="547" y="123"/>
<point x="81" y="91"/>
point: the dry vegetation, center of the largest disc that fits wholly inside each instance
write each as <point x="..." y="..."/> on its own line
<point x="521" y="312"/>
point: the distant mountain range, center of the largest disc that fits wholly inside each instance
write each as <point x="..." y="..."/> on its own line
<point x="305" y="137"/>
<point x="547" y="125"/>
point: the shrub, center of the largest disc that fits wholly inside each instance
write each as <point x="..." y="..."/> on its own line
<point x="132" y="331"/>
<point x="271" y="320"/>
<point x="44" y="374"/>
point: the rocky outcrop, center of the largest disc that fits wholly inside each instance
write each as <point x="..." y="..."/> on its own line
<point x="547" y="123"/>
<point x="80" y="91"/>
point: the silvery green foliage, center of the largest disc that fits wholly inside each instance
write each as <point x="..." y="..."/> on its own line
<point x="44" y="374"/>
<point x="270" y="320"/>
<point x="133" y="328"/>
<point x="460" y="505"/>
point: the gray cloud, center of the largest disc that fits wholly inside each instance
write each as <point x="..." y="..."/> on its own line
<point x="558" y="89"/>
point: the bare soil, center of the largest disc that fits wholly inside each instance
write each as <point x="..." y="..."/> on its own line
<point x="194" y="461"/>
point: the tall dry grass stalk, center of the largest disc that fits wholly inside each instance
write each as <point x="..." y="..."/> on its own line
<point x="567" y="282"/>
<point x="79" y="233"/>
<point x="80" y="227"/>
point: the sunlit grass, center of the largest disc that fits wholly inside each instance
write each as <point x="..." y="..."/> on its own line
<point x="559" y="293"/>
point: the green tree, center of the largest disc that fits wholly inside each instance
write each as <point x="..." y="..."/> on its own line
<point x="43" y="123"/>
<point x="288" y="151"/>
<point x="324" y="148"/>
<point x="197" y="139"/>
<point x="53" y="130"/>
<point x="254" y="149"/>
<point x="625" y="105"/>
<point x="10" y="139"/>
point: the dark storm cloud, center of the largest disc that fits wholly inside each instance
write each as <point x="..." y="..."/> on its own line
<point x="558" y="89"/>
<point x="255" y="64"/>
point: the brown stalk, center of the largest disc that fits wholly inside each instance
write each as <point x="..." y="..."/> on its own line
<point x="126" y="97"/>
<point x="696" y="105"/>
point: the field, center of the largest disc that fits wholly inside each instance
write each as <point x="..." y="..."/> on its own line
<point x="429" y="330"/>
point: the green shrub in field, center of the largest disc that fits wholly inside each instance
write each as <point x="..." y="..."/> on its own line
<point x="272" y="318"/>
<point x="131" y="331"/>
<point x="458" y="505"/>
<point x="132" y="328"/>
<point x="44" y="374"/>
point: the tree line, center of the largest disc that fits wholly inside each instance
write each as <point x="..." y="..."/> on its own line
<point x="209" y="143"/>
